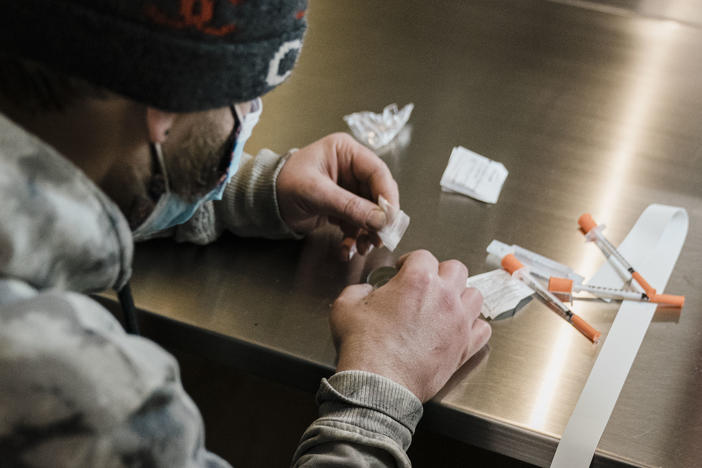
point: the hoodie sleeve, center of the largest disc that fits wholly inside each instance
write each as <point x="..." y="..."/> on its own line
<point x="365" y="420"/>
<point x="249" y="206"/>
<point x="77" y="391"/>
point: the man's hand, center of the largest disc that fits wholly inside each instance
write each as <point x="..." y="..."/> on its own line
<point x="339" y="179"/>
<point x="416" y="330"/>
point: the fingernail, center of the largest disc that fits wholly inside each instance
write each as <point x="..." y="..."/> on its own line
<point x="344" y="254"/>
<point x="362" y="244"/>
<point x="353" y="251"/>
<point x="348" y="249"/>
<point x="377" y="220"/>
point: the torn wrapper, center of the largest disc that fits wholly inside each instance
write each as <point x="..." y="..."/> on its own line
<point x="397" y="224"/>
<point x="377" y="130"/>
<point x="502" y="294"/>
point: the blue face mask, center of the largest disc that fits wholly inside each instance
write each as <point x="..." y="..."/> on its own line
<point x="171" y="209"/>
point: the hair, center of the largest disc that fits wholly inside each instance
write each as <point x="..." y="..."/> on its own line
<point x="36" y="88"/>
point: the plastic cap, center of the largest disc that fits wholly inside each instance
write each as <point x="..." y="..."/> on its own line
<point x="586" y="329"/>
<point x="669" y="299"/>
<point x="648" y="289"/>
<point x="560" y="285"/>
<point x="511" y="264"/>
<point x="586" y="223"/>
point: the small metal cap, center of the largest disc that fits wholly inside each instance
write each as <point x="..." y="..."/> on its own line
<point x="380" y="276"/>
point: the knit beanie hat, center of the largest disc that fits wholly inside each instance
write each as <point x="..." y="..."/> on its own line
<point x="175" y="55"/>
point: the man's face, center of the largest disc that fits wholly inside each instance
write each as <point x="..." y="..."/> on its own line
<point x="196" y="154"/>
<point x="197" y="151"/>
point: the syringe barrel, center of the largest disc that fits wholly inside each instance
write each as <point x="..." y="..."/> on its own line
<point x="530" y="281"/>
<point x="608" y="249"/>
<point x="610" y="293"/>
<point x="593" y="232"/>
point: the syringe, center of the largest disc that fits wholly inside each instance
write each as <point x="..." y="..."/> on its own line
<point x="517" y="270"/>
<point x="593" y="232"/>
<point x="566" y="287"/>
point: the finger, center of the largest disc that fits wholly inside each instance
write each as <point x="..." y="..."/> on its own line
<point x="338" y="202"/>
<point x="374" y="239"/>
<point x="349" y="245"/>
<point x="364" y="244"/>
<point x="370" y="171"/>
<point x="349" y="230"/>
<point x="417" y="261"/>
<point x="348" y="248"/>
<point x="401" y="261"/>
<point x="480" y="335"/>
<point x="473" y="302"/>
<point x="354" y="293"/>
<point x="455" y="273"/>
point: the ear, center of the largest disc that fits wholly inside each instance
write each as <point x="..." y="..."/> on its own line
<point x="158" y="123"/>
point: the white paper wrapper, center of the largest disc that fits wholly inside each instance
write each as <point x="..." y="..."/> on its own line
<point x="398" y="221"/>
<point x="501" y="293"/>
<point x="474" y="175"/>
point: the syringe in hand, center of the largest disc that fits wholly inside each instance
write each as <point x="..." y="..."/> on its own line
<point x="593" y="232"/>
<point x="519" y="271"/>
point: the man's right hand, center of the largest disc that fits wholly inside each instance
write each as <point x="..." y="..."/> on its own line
<point x="416" y="330"/>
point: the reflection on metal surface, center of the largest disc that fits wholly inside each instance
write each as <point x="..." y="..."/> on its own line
<point x="637" y="112"/>
<point x="551" y="378"/>
<point x="686" y="12"/>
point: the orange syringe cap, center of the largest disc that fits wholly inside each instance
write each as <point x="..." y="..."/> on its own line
<point x="560" y="285"/>
<point x="511" y="264"/>
<point x="586" y="329"/>
<point x="648" y="289"/>
<point x="669" y="300"/>
<point x="586" y="223"/>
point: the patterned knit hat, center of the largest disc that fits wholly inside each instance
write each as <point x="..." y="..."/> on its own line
<point x="175" y="55"/>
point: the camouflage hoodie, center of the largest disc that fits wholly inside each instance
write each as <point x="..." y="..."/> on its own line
<point x="76" y="390"/>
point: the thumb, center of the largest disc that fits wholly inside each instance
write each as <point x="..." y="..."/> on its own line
<point x="355" y="292"/>
<point x="337" y="202"/>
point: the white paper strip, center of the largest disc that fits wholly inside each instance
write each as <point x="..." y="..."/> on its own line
<point x="652" y="247"/>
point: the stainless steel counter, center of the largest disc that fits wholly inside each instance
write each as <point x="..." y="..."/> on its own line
<point x="591" y="110"/>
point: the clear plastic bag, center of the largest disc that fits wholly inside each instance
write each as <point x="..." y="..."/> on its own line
<point x="377" y="130"/>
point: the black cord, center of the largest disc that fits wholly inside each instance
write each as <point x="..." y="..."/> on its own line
<point x="128" y="309"/>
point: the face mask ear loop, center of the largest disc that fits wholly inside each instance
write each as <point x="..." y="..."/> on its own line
<point x="157" y="154"/>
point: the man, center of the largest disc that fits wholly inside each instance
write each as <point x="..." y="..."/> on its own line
<point x="126" y="120"/>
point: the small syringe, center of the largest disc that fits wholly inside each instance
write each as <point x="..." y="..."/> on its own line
<point x="565" y="287"/>
<point x="593" y="232"/>
<point x="519" y="271"/>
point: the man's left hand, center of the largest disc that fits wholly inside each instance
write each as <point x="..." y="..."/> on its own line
<point x="339" y="179"/>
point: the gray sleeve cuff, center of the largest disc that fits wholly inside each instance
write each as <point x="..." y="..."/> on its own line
<point x="249" y="207"/>
<point x="365" y="420"/>
<point x="372" y="403"/>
